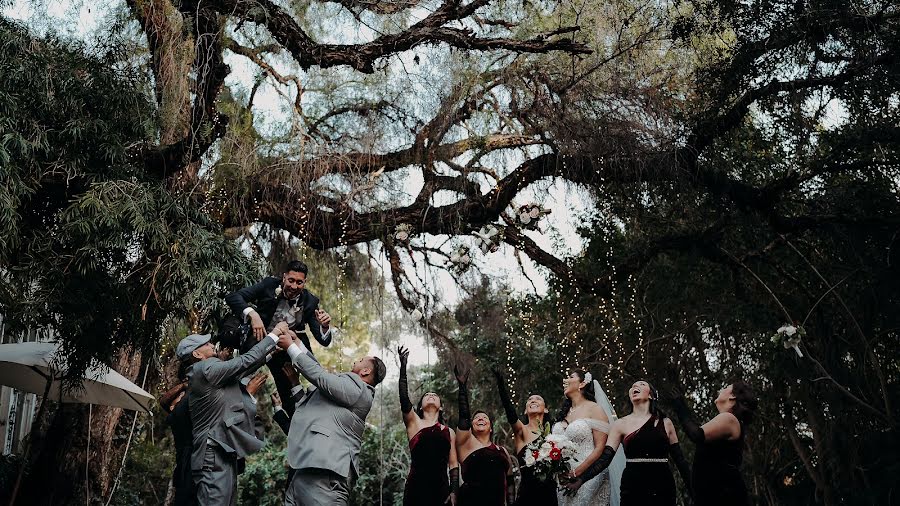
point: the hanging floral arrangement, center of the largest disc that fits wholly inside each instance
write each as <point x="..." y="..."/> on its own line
<point x="530" y="214"/>
<point x="488" y="238"/>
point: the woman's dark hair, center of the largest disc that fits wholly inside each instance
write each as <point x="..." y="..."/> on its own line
<point x="545" y="417"/>
<point x="489" y="419"/>
<point x="745" y="401"/>
<point x="184" y="365"/>
<point x="654" y="403"/>
<point x="421" y="412"/>
<point x="587" y="392"/>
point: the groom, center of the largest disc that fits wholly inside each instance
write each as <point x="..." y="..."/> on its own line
<point x="327" y="427"/>
<point x="277" y="299"/>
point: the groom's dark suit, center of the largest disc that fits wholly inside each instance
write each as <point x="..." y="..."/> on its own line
<point x="267" y="305"/>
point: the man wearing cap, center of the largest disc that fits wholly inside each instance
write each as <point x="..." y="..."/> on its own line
<point x="327" y="427"/>
<point x="223" y="430"/>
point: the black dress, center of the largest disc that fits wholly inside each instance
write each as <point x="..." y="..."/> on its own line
<point x="484" y="477"/>
<point x="532" y="491"/>
<point x="179" y="420"/>
<point x="427" y="483"/>
<point x="717" y="477"/>
<point x="647" y="483"/>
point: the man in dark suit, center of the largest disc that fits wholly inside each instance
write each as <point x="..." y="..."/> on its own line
<point x="224" y="430"/>
<point x="280" y="416"/>
<point x="283" y="299"/>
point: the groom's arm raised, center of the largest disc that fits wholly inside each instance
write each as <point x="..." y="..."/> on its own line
<point x="339" y="388"/>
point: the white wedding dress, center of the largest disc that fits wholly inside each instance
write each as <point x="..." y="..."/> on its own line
<point x="580" y="433"/>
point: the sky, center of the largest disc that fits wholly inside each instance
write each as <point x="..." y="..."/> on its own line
<point x="557" y="232"/>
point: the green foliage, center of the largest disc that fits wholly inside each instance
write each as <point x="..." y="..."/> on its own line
<point x="146" y="478"/>
<point x="384" y="464"/>
<point x="92" y="247"/>
<point x="265" y="477"/>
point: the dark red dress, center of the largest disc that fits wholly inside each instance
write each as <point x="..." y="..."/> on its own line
<point x="484" y="477"/>
<point x="716" y="476"/>
<point x="647" y="483"/>
<point x="428" y="482"/>
<point x="532" y="491"/>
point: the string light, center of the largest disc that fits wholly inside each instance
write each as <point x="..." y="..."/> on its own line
<point x="512" y="379"/>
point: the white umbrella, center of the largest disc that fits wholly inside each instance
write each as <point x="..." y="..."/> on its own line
<point x="29" y="366"/>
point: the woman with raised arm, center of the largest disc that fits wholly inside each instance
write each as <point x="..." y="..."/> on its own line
<point x="532" y="491"/>
<point x="484" y="464"/>
<point x="716" y="473"/>
<point x="432" y="448"/>
<point x="649" y="439"/>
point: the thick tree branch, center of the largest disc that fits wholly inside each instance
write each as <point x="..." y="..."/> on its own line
<point x="362" y="57"/>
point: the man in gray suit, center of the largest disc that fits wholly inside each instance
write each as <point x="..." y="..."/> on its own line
<point x="327" y="427"/>
<point x="223" y="430"/>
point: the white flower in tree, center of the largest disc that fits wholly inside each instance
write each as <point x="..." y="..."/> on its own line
<point x="461" y="258"/>
<point x="529" y="214"/>
<point x="402" y="232"/>
<point x="488" y="238"/>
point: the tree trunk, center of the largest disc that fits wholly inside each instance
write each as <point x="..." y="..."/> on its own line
<point x="58" y="472"/>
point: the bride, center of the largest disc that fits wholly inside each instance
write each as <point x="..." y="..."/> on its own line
<point x="586" y="423"/>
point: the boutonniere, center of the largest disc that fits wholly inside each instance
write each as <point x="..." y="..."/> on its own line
<point x="278" y="291"/>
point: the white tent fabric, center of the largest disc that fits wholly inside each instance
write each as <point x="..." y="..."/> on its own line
<point x="29" y="366"/>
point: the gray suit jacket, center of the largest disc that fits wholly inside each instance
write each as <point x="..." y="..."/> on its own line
<point x="327" y="426"/>
<point x="217" y="404"/>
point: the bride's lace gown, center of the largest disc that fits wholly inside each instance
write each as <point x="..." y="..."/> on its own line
<point x="580" y="432"/>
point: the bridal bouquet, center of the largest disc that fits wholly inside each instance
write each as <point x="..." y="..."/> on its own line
<point x="789" y="336"/>
<point x="549" y="455"/>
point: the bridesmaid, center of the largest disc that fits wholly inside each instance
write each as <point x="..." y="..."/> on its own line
<point x="432" y="448"/>
<point x="720" y="445"/>
<point x="532" y="492"/>
<point x="484" y="464"/>
<point x="649" y="439"/>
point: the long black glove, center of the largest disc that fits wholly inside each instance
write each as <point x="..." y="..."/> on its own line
<point x="405" y="403"/>
<point x="454" y="481"/>
<point x="691" y="428"/>
<point x="599" y="465"/>
<point x="596" y="468"/>
<point x="511" y="415"/>
<point x="683" y="468"/>
<point x="465" y="416"/>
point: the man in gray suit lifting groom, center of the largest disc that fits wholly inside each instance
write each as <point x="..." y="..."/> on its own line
<point x="327" y="428"/>
<point x="224" y="430"/>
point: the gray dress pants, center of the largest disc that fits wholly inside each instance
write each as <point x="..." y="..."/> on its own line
<point x="314" y="487"/>
<point x="216" y="483"/>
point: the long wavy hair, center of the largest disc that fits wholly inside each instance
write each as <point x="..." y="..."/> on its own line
<point x="421" y="412"/>
<point x="587" y="392"/>
<point x="745" y="401"/>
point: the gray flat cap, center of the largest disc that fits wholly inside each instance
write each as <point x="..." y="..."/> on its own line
<point x="189" y="344"/>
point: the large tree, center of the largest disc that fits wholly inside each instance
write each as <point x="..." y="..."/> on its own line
<point x="437" y="116"/>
